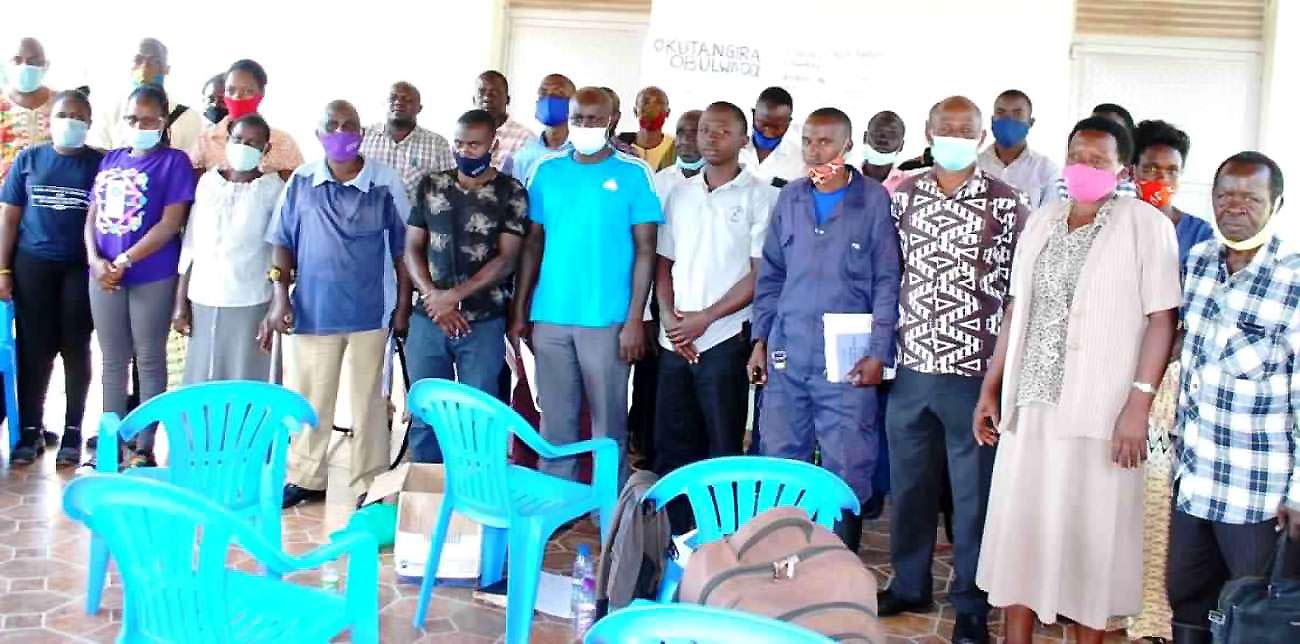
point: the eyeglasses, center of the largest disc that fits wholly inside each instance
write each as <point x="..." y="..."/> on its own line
<point x="143" y="122"/>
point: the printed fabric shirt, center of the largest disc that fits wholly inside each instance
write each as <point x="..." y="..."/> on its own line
<point x="130" y="195"/>
<point x="21" y="128"/>
<point x="512" y="136"/>
<point x="1236" y="451"/>
<point x="420" y="153"/>
<point x="209" y="150"/>
<point x="957" y="254"/>
<point x="464" y="228"/>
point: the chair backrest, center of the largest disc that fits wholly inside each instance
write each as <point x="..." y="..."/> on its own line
<point x="473" y="431"/>
<point x="170" y="546"/>
<point x="646" y="622"/>
<point x="223" y="435"/>
<point x="726" y="492"/>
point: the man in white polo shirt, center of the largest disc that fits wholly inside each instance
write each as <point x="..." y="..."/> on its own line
<point x="709" y="247"/>
<point x="1010" y="158"/>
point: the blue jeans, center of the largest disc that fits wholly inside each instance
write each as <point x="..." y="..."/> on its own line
<point x="473" y="360"/>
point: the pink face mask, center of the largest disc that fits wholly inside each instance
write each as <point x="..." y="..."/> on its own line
<point x="1088" y="184"/>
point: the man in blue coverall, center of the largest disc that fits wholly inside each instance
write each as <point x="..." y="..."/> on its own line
<point x="831" y="247"/>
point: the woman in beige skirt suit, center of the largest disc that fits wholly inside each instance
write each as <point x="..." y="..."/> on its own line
<point x="1085" y="341"/>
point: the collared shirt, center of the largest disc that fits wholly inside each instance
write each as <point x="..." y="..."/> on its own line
<point x="711" y="236"/>
<point x="1031" y="173"/>
<point x="1130" y="272"/>
<point x="1238" y="444"/>
<point x="21" y="128"/>
<point x="344" y="237"/>
<point x="588" y="211"/>
<point x="225" y="245"/>
<point x="848" y="265"/>
<point x="511" y="137"/>
<point x="660" y="156"/>
<point x="464" y="229"/>
<point x="209" y="150"/>
<point x="668" y="179"/>
<point x="521" y="164"/>
<point x="957" y="253"/>
<point x="183" y="133"/>
<point x="784" y="163"/>
<point x="420" y="153"/>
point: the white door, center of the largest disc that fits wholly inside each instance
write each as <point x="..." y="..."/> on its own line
<point x="1208" y="89"/>
<point x="590" y="47"/>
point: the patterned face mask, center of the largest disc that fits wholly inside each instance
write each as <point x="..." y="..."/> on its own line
<point x="822" y="172"/>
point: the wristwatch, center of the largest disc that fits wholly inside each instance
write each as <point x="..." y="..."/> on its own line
<point x="122" y="261"/>
<point x="1144" y="387"/>
<point x="274" y="275"/>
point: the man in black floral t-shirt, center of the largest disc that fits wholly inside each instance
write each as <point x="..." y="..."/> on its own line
<point x="462" y="243"/>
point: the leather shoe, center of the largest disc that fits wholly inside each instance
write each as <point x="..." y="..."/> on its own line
<point x="970" y="629"/>
<point x="293" y="495"/>
<point x="889" y="604"/>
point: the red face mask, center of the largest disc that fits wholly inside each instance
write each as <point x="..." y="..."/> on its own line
<point x="1156" y="193"/>
<point x="241" y="106"/>
<point x="654" y="123"/>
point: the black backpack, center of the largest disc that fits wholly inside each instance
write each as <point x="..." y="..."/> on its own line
<point x="1259" y="610"/>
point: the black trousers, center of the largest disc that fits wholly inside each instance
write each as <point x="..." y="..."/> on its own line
<point x="52" y="310"/>
<point x="1204" y="555"/>
<point x="641" y="414"/>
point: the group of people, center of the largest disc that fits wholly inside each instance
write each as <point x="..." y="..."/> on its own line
<point x="1021" y="320"/>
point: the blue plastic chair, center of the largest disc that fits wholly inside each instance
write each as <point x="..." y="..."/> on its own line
<point x="644" y="622"/>
<point x="171" y="546"/>
<point x="9" y="368"/>
<point x="519" y="508"/>
<point x="228" y="441"/>
<point x="726" y="492"/>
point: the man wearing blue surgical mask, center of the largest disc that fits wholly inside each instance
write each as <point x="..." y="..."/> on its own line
<point x="553" y="113"/>
<point x="955" y="221"/>
<point x="25" y="104"/>
<point x="771" y="155"/>
<point x="1010" y="157"/>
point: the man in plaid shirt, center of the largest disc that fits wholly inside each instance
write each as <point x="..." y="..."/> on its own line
<point x="1236" y="477"/>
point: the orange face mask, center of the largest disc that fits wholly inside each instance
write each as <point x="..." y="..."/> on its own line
<point x="1156" y="193"/>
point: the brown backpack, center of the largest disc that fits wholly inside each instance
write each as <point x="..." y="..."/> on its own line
<point x="782" y="565"/>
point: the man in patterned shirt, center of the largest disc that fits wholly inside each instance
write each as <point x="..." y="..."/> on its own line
<point x="401" y="144"/>
<point x="1236" y="480"/>
<point x="958" y="228"/>
<point x="462" y="243"/>
<point x="493" y="94"/>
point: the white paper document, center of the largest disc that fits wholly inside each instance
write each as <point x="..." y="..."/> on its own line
<point x="554" y="596"/>
<point x="847" y="339"/>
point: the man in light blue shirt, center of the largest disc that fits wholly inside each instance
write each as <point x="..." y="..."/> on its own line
<point x="590" y="255"/>
<point x="552" y="111"/>
<point x="339" y="229"/>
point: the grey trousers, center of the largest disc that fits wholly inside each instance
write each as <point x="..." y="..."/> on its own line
<point x="133" y="320"/>
<point x="573" y="362"/>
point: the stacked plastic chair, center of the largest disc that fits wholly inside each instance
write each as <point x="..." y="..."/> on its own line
<point x="645" y="622"/>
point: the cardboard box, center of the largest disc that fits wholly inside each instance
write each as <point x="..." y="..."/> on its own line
<point x="419" y="487"/>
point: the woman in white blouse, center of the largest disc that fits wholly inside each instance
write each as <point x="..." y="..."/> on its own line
<point x="223" y="293"/>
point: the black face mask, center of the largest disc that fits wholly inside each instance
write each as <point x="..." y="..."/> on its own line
<point x="215" y="113"/>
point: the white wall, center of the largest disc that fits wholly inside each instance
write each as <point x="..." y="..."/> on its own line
<point x="313" y="52"/>
<point x="1280" y="131"/>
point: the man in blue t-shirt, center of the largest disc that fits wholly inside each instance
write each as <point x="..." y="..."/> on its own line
<point x="585" y="276"/>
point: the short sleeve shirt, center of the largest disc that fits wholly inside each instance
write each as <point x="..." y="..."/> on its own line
<point x="53" y="191"/>
<point x="420" y="153"/>
<point x="588" y="211"/>
<point x="464" y="228"/>
<point x="344" y="237"/>
<point x="130" y="194"/>
<point x="209" y="149"/>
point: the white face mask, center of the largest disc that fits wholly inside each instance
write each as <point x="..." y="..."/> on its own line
<point x="874" y="157"/>
<point x="588" y="140"/>
<point x="1260" y="238"/>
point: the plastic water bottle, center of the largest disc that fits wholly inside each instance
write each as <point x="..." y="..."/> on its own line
<point x="584" y="592"/>
<point x="329" y="576"/>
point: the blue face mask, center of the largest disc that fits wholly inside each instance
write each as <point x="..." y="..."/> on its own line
<point x="764" y="142"/>
<point x="472" y="166"/>
<point x="690" y="165"/>
<point x="144" y="139"/>
<point x="552" y="110"/>
<point x="1009" y="132"/>
<point x="68" y="133"/>
<point x="26" y="78"/>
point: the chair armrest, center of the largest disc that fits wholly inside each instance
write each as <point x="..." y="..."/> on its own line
<point x="106" y="451"/>
<point x="594" y="445"/>
<point x="349" y="542"/>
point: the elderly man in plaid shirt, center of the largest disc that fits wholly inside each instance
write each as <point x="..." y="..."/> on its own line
<point x="1236" y="478"/>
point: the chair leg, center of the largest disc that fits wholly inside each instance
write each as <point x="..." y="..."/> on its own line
<point x="431" y="566"/>
<point x="492" y="556"/>
<point x="11" y="407"/>
<point x="98" y="570"/>
<point x="527" y="547"/>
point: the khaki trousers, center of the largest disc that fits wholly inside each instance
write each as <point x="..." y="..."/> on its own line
<point x="315" y="373"/>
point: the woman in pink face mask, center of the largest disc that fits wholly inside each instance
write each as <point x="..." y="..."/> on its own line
<point x="1088" y="331"/>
